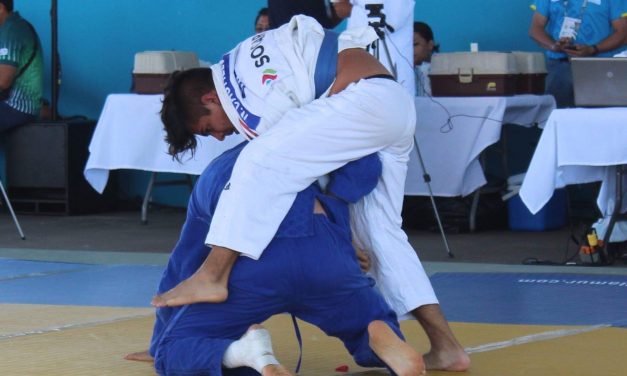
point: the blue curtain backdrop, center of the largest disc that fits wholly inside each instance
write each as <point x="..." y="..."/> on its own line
<point x="99" y="38"/>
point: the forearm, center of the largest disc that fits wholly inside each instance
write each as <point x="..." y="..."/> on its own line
<point x="616" y="39"/>
<point x="612" y="42"/>
<point x="538" y="33"/>
<point x="7" y="74"/>
<point x="543" y="39"/>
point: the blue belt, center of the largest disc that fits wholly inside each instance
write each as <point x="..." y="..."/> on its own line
<point x="326" y="65"/>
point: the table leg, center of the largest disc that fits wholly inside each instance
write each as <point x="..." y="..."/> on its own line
<point x="17" y="224"/>
<point x="152" y="183"/>
<point x="618" y="203"/>
<point x="147" y="196"/>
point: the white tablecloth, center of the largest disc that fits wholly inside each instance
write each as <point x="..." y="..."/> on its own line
<point x="453" y="131"/>
<point x="578" y="145"/>
<point x="130" y="135"/>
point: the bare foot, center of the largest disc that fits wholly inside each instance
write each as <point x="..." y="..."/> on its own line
<point x="394" y="352"/>
<point x="195" y="289"/>
<point x="275" y="370"/>
<point x="141" y="356"/>
<point x="450" y="360"/>
<point x="207" y="285"/>
<point x="446" y="353"/>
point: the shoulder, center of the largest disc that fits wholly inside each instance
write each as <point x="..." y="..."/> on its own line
<point x="212" y="181"/>
<point x="220" y="168"/>
<point x="15" y="28"/>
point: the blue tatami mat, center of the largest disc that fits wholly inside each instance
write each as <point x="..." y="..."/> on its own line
<point x="11" y="269"/>
<point x="507" y="298"/>
<point x="536" y="299"/>
<point x="34" y="282"/>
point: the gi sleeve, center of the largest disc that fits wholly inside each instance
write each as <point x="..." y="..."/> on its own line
<point x="356" y="179"/>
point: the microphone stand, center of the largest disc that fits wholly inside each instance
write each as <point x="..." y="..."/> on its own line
<point x="375" y="11"/>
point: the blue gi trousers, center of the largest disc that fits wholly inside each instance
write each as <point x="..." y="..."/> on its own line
<point x="10" y="117"/>
<point x="316" y="278"/>
<point x="559" y="83"/>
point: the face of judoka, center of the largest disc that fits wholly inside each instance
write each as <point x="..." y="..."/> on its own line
<point x="215" y="124"/>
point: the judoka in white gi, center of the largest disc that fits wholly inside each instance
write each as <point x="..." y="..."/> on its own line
<point x="311" y="102"/>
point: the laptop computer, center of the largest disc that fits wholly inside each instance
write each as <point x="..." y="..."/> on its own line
<point x="600" y="81"/>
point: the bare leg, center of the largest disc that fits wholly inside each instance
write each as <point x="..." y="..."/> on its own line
<point x="141" y="356"/>
<point x="393" y="351"/>
<point x="446" y="353"/>
<point x="275" y="370"/>
<point x="207" y="285"/>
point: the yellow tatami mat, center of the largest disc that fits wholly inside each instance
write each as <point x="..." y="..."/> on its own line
<point x="20" y="319"/>
<point x="86" y="341"/>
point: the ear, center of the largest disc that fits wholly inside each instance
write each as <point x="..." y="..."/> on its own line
<point x="211" y="97"/>
<point x="431" y="45"/>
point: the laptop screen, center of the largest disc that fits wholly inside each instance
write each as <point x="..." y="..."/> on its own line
<point x="600" y="81"/>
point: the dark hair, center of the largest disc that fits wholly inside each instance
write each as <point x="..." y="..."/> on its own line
<point x="262" y="12"/>
<point x="425" y="31"/>
<point x="7" y="4"/>
<point x="182" y="107"/>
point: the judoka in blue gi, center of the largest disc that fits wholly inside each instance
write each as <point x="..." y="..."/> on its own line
<point x="309" y="269"/>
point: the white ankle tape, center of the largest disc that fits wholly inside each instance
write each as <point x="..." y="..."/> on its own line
<point x="253" y="350"/>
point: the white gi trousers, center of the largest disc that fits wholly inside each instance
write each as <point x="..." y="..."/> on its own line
<point x="372" y="115"/>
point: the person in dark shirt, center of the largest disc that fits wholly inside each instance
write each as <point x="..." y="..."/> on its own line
<point x="281" y="11"/>
<point x="21" y="69"/>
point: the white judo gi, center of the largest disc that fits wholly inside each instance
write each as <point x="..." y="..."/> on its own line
<point x="266" y="86"/>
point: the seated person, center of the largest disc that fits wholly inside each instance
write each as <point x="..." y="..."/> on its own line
<point x="262" y="22"/>
<point x="424" y="48"/>
<point x="21" y="69"/>
<point x="309" y="269"/>
<point x="281" y="11"/>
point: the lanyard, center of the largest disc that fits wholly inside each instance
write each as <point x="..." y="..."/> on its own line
<point x="582" y="10"/>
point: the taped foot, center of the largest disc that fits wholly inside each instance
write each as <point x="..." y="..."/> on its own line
<point x="254" y="350"/>
<point x="393" y="351"/>
<point x="195" y="289"/>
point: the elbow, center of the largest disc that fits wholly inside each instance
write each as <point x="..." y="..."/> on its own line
<point x="532" y="34"/>
<point x="5" y="82"/>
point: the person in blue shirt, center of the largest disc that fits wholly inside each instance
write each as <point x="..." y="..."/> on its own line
<point x="310" y="270"/>
<point x="576" y="28"/>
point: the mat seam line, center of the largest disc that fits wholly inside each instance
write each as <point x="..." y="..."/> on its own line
<point x="72" y="326"/>
<point x="544" y="336"/>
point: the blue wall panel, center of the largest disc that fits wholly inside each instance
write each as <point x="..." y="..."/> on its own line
<point x="98" y="40"/>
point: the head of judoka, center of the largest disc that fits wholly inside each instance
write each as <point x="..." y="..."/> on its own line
<point x="191" y="107"/>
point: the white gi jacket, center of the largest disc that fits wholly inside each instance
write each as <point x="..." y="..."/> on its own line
<point x="272" y="72"/>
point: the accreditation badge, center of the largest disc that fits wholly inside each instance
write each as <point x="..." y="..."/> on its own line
<point x="570" y="27"/>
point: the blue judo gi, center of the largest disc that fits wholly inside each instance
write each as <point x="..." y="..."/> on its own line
<point x="309" y="269"/>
